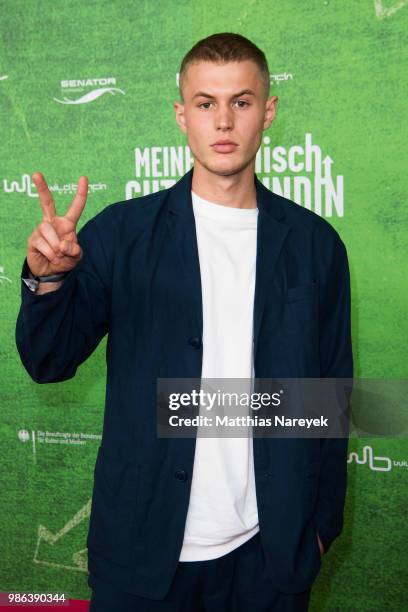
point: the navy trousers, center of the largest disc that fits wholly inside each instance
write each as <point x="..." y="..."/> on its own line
<point x="235" y="582"/>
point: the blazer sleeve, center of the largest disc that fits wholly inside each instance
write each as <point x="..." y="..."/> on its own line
<point x="56" y="331"/>
<point x="336" y="361"/>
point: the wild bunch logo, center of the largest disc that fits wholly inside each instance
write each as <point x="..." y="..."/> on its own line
<point x="26" y="186"/>
<point x="375" y="462"/>
<point x="273" y="78"/>
<point x="78" y="93"/>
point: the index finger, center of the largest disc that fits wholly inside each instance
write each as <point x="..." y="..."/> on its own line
<point x="46" y="199"/>
<point x="78" y="203"/>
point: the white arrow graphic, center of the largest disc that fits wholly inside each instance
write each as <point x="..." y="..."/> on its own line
<point x="382" y="12"/>
<point x="78" y="558"/>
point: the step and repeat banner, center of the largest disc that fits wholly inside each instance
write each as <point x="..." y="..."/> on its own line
<point x="88" y="88"/>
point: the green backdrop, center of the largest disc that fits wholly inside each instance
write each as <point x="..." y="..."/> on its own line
<point x="87" y="88"/>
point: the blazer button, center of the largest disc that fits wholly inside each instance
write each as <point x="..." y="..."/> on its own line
<point x="195" y="341"/>
<point x="181" y="475"/>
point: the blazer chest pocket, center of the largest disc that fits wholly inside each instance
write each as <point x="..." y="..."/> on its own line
<point x="114" y="507"/>
<point x="301" y="292"/>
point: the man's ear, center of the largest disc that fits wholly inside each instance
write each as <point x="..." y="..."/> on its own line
<point x="180" y="116"/>
<point x="270" y="111"/>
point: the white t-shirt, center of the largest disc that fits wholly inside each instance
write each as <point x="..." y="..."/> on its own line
<point x="223" y="512"/>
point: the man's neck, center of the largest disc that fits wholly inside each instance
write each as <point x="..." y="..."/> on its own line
<point x="234" y="190"/>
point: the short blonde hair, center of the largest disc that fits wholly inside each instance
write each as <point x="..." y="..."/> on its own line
<point x="222" y="48"/>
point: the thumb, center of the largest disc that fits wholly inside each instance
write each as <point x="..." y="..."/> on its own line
<point x="71" y="237"/>
<point x="72" y="249"/>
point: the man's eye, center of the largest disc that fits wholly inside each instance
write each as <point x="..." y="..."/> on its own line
<point x="242" y="102"/>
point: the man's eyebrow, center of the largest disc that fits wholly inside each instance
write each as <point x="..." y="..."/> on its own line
<point x="202" y="94"/>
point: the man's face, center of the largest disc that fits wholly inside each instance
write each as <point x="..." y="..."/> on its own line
<point x="224" y="102"/>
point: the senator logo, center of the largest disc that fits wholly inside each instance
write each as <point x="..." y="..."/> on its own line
<point x="78" y="93"/>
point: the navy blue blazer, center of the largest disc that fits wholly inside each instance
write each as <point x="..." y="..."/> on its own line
<point x="139" y="282"/>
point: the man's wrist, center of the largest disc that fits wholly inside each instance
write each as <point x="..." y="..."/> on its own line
<point x="50" y="278"/>
<point x="48" y="287"/>
<point x="42" y="284"/>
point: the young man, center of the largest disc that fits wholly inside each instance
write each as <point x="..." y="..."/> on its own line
<point x="215" y="277"/>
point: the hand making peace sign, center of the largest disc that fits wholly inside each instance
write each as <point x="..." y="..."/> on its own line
<point x="53" y="247"/>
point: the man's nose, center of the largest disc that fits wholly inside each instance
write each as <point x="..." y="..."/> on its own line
<point x="224" y="119"/>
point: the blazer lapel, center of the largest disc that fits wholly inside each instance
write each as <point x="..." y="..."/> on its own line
<point x="271" y="234"/>
<point x="181" y="223"/>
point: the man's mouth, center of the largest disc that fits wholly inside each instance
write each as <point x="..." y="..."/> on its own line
<point x="224" y="146"/>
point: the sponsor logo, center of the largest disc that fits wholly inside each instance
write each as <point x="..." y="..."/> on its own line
<point x="375" y="463"/>
<point x="77" y="89"/>
<point x="278" y="78"/>
<point x="273" y="78"/>
<point x="23" y="435"/>
<point x="24" y="185"/>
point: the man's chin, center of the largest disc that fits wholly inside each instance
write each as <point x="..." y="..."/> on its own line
<point x="226" y="168"/>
